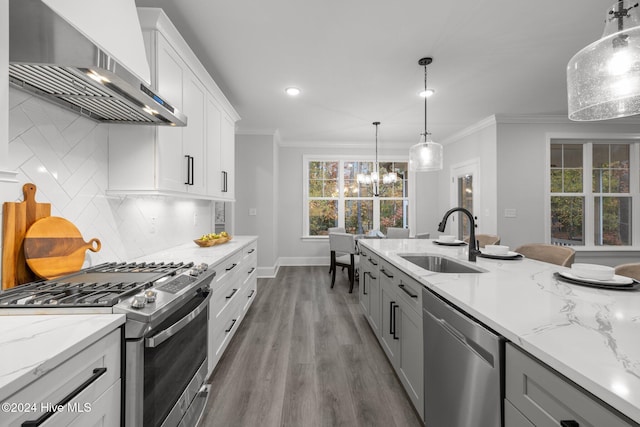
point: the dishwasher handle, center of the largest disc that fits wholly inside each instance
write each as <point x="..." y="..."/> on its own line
<point x="464" y="340"/>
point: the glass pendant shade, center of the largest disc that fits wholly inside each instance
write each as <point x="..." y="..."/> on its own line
<point x="603" y="79"/>
<point x="426" y="155"/>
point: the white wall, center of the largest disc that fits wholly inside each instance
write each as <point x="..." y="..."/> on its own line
<point x="65" y="155"/>
<point x="256" y="185"/>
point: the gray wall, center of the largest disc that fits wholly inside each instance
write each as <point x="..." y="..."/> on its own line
<point x="256" y="179"/>
<point x="521" y="181"/>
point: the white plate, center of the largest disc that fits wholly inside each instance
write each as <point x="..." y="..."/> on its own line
<point x="454" y="243"/>
<point x="616" y="281"/>
<point x="508" y="255"/>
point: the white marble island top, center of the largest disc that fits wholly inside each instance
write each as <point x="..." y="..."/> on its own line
<point x="190" y="252"/>
<point x="592" y="336"/>
<point x="30" y="346"/>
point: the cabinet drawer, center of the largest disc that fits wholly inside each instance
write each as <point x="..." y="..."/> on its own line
<point x="250" y="250"/>
<point x="225" y="270"/>
<point x="513" y="417"/>
<point x="545" y="397"/>
<point x="408" y="290"/>
<point x="222" y="297"/>
<point x="223" y="329"/>
<point x="81" y="373"/>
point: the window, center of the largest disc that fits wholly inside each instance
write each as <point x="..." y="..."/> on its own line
<point x="334" y="198"/>
<point x="592" y="187"/>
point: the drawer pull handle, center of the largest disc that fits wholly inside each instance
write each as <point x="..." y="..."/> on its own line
<point x="233" y="322"/>
<point x="232" y="293"/>
<point x="383" y="271"/>
<point x="252" y="269"/>
<point x="569" y="423"/>
<point x="232" y="267"/>
<point x="252" y="292"/>
<point x="251" y="251"/>
<point x="97" y="373"/>
<point x="373" y="262"/>
<point x="404" y="288"/>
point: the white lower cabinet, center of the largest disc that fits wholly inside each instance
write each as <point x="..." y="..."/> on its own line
<point x="393" y="309"/>
<point x="84" y="390"/>
<point x="233" y="291"/>
<point x="538" y="396"/>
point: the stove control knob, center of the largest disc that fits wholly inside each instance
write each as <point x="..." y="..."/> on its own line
<point x="194" y="272"/>
<point x="138" y="301"/>
<point x="150" y="295"/>
<point x="203" y="267"/>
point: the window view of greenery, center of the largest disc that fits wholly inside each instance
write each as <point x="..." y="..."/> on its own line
<point x="362" y="212"/>
<point x="609" y="193"/>
<point x="323" y="197"/>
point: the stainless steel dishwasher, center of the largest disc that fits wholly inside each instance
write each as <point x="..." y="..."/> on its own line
<point x="463" y="368"/>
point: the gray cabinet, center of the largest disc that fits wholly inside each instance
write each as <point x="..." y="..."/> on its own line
<point x="369" y="289"/>
<point x="537" y="395"/>
<point x="401" y="329"/>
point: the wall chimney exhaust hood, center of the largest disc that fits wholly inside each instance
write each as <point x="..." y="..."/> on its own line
<point x="87" y="56"/>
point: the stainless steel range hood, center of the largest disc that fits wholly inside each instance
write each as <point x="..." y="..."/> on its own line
<point x="50" y="57"/>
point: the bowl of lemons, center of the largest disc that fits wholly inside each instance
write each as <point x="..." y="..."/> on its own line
<point x="212" y="239"/>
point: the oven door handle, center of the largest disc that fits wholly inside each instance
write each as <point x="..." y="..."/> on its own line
<point x="161" y="337"/>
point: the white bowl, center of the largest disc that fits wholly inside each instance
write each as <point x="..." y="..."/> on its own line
<point x="593" y="271"/>
<point x="496" y="249"/>
<point x="446" y="238"/>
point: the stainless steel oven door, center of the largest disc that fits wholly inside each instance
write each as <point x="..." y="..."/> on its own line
<point x="166" y="368"/>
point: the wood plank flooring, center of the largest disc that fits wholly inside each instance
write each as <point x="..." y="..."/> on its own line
<point x="305" y="356"/>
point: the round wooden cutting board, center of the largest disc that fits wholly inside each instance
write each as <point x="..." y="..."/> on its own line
<point x="53" y="247"/>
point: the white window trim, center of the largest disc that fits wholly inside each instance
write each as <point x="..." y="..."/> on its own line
<point x="306" y="158"/>
<point x="634" y="188"/>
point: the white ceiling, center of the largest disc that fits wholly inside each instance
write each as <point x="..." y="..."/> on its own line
<point x="356" y="61"/>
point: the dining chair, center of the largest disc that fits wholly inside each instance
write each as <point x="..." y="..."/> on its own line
<point x="343" y="254"/>
<point x="485" y="239"/>
<point x="397" y="233"/>
<point x="629" y="270"/>
<point x="335" y="230"/>
<point x="423" y="235"/>
<point x="554" y="254"/>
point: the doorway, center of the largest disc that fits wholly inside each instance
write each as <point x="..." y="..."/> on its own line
<point x="465" y="185"/>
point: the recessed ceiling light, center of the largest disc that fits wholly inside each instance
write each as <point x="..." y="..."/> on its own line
<point x="426" y="93"/>
<point x="292" y="91"/>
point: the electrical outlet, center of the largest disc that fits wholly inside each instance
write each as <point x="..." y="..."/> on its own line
<point x="252" y="212"/>
<point x="510" y="213"/>
<point x="195" y="218"/>
<point x="153" y="220"/>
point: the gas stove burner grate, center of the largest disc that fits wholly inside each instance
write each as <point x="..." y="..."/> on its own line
<point x="102" y="286"/>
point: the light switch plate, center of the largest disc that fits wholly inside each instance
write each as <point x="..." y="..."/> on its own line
<point x="510" y="213"/>
<point x="252" y="211"/>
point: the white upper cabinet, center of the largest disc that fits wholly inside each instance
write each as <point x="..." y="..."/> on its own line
<point x="194" y="161"/>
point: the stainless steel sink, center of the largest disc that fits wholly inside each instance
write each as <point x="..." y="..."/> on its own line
<point x="440" y="264"/>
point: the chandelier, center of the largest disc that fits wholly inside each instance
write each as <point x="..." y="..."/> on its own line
<point x="603" y="79"/>
<point x="374" y="177"/>
<point x="426" y="155"/>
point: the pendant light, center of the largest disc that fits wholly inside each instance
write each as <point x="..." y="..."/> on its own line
<point x="374" y="177"/>
<point x="603" y="79"/>
<point x="426" y="155"/>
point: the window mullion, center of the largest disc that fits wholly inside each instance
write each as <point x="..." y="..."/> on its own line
<point x="589" y="198"/>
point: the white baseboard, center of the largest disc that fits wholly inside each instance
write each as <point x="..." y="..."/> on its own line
<point x="271" y="272"/>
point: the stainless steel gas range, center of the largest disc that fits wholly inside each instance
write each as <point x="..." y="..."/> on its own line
<point x="166" y="306"/>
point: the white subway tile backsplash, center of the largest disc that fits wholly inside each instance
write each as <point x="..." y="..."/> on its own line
<point x="66" y="156"/>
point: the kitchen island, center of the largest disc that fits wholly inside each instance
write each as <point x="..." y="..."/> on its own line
<point x="588" y="335"/>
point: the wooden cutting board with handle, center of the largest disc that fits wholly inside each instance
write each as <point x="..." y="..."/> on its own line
<point x="53" y="247"/>
<point x="17" y="217"/>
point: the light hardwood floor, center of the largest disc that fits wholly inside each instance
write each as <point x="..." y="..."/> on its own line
<point x="305" y="356"/>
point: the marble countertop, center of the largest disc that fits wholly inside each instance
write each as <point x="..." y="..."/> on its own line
<point x="30" y="346"/>
<point x="590" y="335"/>
<point x="190" y="252"/>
